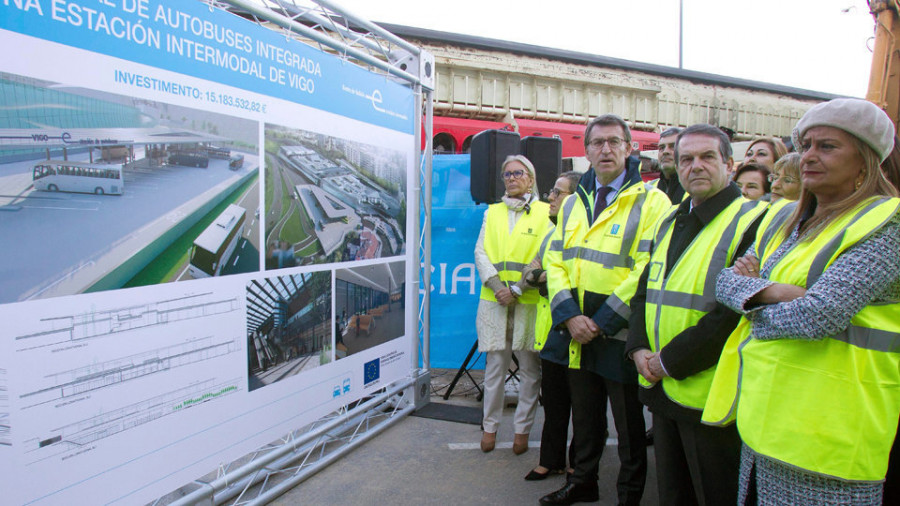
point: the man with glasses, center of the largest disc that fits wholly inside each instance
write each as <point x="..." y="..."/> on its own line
<point x="668" y="178"/>
<point x="597" y="253"/>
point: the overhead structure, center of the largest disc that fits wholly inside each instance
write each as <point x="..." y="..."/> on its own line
<point x="884" y="79"/>
<point x="483" y="79"/>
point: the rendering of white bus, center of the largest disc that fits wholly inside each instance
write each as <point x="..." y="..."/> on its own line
<point x="80" y="177"/>
<point x="214" y="246"/>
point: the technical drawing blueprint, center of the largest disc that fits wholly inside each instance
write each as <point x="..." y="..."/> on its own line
<point x="94" y="375"/>
<point x="71" y="330"/>
<point x="64" y="385"/>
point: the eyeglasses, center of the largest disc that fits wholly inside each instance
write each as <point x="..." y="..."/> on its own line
<point x="613" y="142"/>
<point x="513" y="174"/>
<point x="555" y="193"/>
<point x="786" y="179"/>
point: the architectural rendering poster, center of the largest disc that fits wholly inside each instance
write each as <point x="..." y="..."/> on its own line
<point x="204" y="243"/>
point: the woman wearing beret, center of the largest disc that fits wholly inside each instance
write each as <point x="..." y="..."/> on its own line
<point x="817" y="368"/>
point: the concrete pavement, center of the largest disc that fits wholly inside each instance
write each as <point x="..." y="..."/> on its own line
<point x="424" y="461"/>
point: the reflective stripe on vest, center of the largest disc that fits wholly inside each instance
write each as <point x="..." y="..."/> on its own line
<point x="574" y="255"/>
<point x="829" y="406"/>
<point x="599" y="254"/>
<point x="511" y="252"/>
<point x="544" y="319"/>
<point x="679" y="300"/>
<point x="778" y="215"/>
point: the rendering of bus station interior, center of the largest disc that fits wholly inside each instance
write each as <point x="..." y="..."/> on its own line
<point x="369" y="306"/>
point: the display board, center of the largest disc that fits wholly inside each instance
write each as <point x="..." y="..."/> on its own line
<point x="205" y="243"/>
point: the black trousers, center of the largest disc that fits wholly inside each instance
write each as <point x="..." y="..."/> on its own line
<point x="557" y="407"/>
<point x="696" y="463"/>
<point x="589" y="395"/>
<point x="892" y="480"/>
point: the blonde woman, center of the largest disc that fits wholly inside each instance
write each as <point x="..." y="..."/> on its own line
<point x="510" y="237"/>
<point x="786" y="178"/>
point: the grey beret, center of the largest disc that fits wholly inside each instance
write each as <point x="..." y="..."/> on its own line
<point x="860" y="118"/>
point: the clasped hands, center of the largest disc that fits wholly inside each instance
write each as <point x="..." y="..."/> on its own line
<point x="505" y="296"/>
<point x="747" y="265"/>
<point x="648" y="365"/>
<point x="583" y="329"/>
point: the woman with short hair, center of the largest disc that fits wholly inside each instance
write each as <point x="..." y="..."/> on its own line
<point x="753" y="180"/>
<point x="785" y="178"/>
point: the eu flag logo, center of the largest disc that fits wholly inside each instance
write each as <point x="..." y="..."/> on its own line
<point x="371" y="371"/>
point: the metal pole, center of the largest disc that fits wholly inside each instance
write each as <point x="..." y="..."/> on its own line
<point x="370" y="26"/>
<point x="412" y="214"/>
<point x="290" y="483"/>
<point x="426" y="231"/>
<point x="680" y="32"/>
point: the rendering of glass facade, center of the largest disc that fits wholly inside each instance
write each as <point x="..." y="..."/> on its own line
<point x="24" y="103"/>
<point x="30" y="103"/>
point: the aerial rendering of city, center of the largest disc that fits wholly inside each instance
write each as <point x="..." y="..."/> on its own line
<point x="330" y="199"/>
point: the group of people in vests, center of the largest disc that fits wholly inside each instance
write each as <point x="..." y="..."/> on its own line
<point x="764" y="337"/>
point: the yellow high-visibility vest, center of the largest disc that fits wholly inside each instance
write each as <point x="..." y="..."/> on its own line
<point x="829" y="406"/>
<point x="678" y="301"/>
<point x="510" y="252"/>
<point x="544" y="320"/>
<point x="655" y="183"/>
<point x="606" y="256"/>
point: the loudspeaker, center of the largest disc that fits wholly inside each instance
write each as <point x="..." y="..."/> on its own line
<point x="488" y="150"/>
<point x="545" y="153"/>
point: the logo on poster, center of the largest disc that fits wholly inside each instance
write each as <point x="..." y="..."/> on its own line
<point x="375" y="97"/>
<point x="371" y="371"/>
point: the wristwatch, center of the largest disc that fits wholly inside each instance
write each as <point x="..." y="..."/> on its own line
<point x="516" y="291"/>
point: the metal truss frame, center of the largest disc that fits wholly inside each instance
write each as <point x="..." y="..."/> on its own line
<point x="262" y="476"/>
<point x="276" y="468"/>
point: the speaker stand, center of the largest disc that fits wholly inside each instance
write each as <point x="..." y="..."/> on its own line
<point x="464" y="368"/>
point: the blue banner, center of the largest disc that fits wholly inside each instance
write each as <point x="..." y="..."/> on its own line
<point x="455" y="285"/>
<point x="192" y="39"/>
